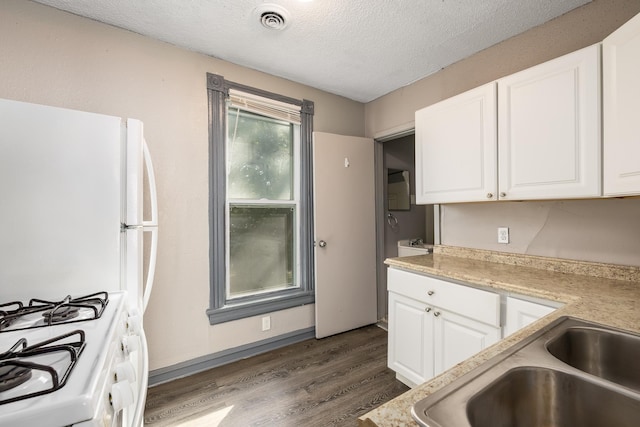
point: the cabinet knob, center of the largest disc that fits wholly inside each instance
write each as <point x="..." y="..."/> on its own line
<point x="428" y="309"/>
<point x="503" y="194"/>
<point x="430" y="293"/>
<point x="437" y="313"/>
<point x="489" y="195"/>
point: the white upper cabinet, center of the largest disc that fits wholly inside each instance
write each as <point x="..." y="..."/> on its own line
<point x="537" y="136"/>
<point x="549" y="129"/>
<point x="621" y="110"/>
<point x="456" y="148"/>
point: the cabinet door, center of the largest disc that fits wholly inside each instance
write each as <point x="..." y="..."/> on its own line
<point x="456" y="148"/>
<point x="457" y="338"/>
<point x="410" y="337"/>
<point x="521" y="313"/>
<point x="621" y="110"/>
<point x="549" y="129"/>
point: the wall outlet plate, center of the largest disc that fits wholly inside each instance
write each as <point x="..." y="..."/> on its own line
<point x="503" y="234"/>
<point x="266" y="323"/>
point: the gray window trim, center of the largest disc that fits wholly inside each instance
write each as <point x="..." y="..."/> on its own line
<point x="220" y="310"/>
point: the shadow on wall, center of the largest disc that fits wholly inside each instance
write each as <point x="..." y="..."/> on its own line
<point x="598" y="230"/>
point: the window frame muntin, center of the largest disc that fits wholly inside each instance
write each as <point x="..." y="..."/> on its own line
<point x="220" y="309"/>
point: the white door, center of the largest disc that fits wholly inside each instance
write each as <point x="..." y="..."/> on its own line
<point x="344" y="233"/>
<point x="620" y="95"/>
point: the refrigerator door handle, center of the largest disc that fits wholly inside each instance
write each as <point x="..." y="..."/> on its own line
<point x="153" y="194"/>
<point x="153" y="254"/>
<point x="150" y="226"/>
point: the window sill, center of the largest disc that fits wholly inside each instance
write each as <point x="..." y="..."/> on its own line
<point x="256" y="307"/>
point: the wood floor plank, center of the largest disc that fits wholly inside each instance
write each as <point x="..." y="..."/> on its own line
<point x="327" y="382"/>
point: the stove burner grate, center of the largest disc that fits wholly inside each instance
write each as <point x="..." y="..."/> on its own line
<point x="15" y="363"/>
<point x="53" y="312"/>
<point x="13" y="376"/>
<point x="60" y="314"/>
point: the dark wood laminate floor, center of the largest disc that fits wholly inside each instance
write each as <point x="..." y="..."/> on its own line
<point x="327" y="382"/>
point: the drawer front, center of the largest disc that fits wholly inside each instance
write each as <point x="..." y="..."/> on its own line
<point x="477" y="304"/>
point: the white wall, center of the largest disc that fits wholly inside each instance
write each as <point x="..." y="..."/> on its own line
<point x="55" y="58"/>
<point x="591" y="230"/>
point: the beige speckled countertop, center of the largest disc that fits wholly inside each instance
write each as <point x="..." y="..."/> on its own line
<point x="602" y="293"/>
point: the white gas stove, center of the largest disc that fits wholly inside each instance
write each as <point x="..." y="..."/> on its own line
<point x="84" y="371"/>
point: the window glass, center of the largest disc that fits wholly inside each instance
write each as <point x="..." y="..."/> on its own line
<point x="261" y="249"/>
<point x="260" y="157"/>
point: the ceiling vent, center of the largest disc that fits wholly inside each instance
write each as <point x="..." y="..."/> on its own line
<point x="272" y="16"/>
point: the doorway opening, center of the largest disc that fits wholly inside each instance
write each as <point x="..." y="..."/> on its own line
<point x="398" y="217"/>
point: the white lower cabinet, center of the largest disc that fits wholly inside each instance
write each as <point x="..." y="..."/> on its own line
<point x="435" y="324"/>
<point x="410" y="339"/>
<point x="521" y="313"/>
<point x="457" y="338"/>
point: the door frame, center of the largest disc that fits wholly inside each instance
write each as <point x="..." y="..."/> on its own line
<point x="380" y="178"/>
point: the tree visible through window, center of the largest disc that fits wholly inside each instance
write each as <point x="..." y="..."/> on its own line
<point x="261" y="201"/>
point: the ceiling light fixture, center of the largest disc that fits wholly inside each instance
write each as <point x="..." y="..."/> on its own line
<point x="272" y="16"/>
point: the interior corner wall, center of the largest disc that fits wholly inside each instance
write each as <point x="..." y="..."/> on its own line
<point x="56" y="58"/>
<point x="581" y="27"/>
<point x="599" y="230"/>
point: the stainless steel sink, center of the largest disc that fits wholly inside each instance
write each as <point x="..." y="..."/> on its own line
<point x="531" y="397"/>
<point x="610" y="355"/>
<point x="570" y="373"/>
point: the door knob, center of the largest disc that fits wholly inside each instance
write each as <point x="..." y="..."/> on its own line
<point x="322" y="243"/>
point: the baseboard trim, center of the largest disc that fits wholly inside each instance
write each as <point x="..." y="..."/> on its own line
<point x="199" y="364"/>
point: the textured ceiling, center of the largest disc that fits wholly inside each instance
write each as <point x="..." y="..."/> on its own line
<point x="360" y="49"/>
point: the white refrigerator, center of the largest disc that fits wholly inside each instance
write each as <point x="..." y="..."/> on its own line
<point x="71" y="215"/>
<point x="72" y="204"/>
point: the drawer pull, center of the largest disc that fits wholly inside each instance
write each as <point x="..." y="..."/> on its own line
<point x="430" y="293"/>
<point x="428" y="309"/>
<point x="437" y="313"/>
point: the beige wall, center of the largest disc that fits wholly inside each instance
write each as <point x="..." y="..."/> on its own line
<point x="52" y="57"/>
<point x="591" y="230"/>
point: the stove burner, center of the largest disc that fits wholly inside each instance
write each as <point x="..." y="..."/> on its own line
<point x="68" y="310"/>
<point x="5" y="319"/>
<point x="60" y="314"/>
<point x="18" y="364"/>
<point x="13" y="376"/>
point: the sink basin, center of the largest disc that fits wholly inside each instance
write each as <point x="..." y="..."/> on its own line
<point x="532" y="397"/>
<point x="609" y="355"/>
<point x="569" y="373"/>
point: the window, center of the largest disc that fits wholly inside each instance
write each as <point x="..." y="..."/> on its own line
<point x="260" y="201"/>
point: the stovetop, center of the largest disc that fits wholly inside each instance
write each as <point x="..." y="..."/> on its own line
<point x="18" y="315"/>
<point x="76" y="350"/>
<point x="29" y="370"/>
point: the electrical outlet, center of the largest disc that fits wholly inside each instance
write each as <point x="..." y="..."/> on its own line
<point x="266" y="323"/>
<point x="503" y="234"/>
